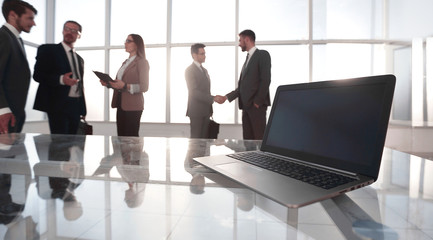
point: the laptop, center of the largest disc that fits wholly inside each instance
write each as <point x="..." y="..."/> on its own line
<point x="332" y="129"/>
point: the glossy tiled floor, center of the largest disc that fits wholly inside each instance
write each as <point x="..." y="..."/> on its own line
<point x="148" y="188"/>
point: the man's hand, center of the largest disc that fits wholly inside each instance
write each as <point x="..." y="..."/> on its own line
<point x="219" y="99"/>
<point x="8" y="139"/>
<point x="5" y="119"/>
<point x="68" y="80"/>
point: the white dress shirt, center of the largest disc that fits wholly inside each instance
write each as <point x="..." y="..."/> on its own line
<point x="73" y="91"/>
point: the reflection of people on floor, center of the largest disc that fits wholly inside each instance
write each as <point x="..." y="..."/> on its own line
<point x="70" y="154"/>
<point x="12" y="147"/>
<point x="8" y="209"/>
<point x="132" y="163"/>
<point x="196" y="148"/>
<point x="67" y="151"/>
<point x="252" y="145"/>
<point x="245" y="199"/>
<point x="197" y="183"/>
<point x="243" y="145"/>
<point x="72" y="210"/>
<point x="134" y="195"/>
<point x="20" y="228"/>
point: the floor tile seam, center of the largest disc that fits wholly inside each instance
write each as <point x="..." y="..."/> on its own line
<point x="93" y="225"/>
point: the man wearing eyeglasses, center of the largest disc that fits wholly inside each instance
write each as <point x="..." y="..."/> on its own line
<point x="59" y="71"/>
<point x="200" y="101"/>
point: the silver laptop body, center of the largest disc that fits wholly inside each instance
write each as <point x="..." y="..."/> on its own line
<point x="337" y="126"/>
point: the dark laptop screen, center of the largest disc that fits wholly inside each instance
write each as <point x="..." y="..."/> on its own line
<point x="340" y="124"/>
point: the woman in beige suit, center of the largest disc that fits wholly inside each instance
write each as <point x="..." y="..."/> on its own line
<point x="131" y="82"/>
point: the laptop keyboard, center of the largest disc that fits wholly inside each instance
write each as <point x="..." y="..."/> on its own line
<point x="314" y="176"/>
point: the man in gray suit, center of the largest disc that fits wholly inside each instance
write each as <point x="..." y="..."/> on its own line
<point x="14" y="68"/>
<point x="253" y="87"/>
<point x="200" y="100"/>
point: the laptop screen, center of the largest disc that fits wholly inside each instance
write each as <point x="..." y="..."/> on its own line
<point x="340" y="124"/>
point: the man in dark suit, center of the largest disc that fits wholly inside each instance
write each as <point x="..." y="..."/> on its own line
<point x="253" y="87"/>
<point x="14" y="68"/>
<point x="59" y="71"/>
<point x="200" y="100"/>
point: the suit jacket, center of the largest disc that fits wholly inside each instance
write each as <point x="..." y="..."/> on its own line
<point x="136" y="73"/>
<point x="199" y="98"/>
<point x="14" y="73"/>
<point x="51" y="63"/>
<point x="253" y="85"/>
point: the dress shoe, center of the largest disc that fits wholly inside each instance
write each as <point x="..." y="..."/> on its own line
<point x="65" y="195"/>
<point x="69" y="196"/>
<point x="7" y="219"/>
<point x="10" y="209"/>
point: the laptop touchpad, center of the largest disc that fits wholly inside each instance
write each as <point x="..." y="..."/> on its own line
<point x="239" y="168"/>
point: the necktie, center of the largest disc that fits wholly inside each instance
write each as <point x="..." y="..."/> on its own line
<point x="245" y="64"/>
<point x="203" y="70"/>
<point x="22" y="45"/>
<point x="74" y="70"/>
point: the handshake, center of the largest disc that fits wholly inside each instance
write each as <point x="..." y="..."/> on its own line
<point x="219" y="99"/>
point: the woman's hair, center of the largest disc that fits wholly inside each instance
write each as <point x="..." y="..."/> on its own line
<point x="140" y="45"/>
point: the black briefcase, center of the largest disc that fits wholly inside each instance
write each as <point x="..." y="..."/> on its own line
<point x="214" y="129"/>
<point x="84" y="128"/>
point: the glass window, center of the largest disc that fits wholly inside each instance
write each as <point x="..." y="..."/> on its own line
<point x="203" y="21"/>
<point x="155" y="97"/>
<point x="220" y="65"/>
<point x="91" y="18"/>
<point x="37" y="33"/>
<point x="402" y="107"/>
<point x="335" y="61"/>
<point x="274" y="19"/>
<point x="215" y="24"/>
<point x="32" y="115"/>
<point x="94" y="60"/>
<point x="408" y="19"/>
<point x="347" y="19"/>
<point x="180" y="60"/>
<point x="289" y="65"/>
<point x="145" y="17"/>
